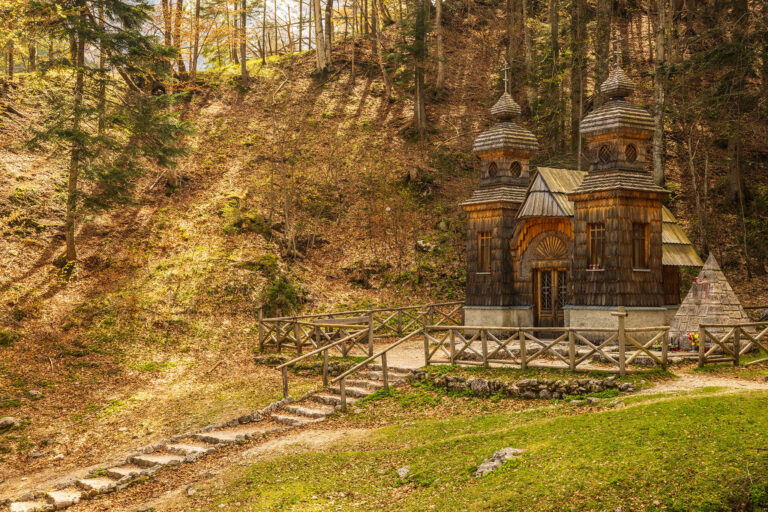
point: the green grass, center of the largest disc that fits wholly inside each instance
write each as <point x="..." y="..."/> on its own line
<point x="687" y="453"/>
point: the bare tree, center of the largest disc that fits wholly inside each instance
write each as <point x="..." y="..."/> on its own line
<point x="658" y="95"/>
<point x="378" y="50"/>
<point x="243" y="57"/>
<point x="440" y="80"/>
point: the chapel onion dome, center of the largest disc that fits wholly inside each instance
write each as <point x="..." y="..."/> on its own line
<point x="617" y="115"/>
<point x="505" y="135"/>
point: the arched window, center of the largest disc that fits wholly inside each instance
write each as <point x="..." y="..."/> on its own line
<point x="493" y="170"/>
<point x="515" y="169"/>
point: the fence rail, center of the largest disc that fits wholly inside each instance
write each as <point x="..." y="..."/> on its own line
<point x="574" y="347"/>
<point x="316" y="330"/>
<point x="738" y="340"/>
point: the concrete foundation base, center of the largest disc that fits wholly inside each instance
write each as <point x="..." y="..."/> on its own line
<point x="483" y="316"/>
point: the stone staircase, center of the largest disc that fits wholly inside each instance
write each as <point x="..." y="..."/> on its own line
<point x="186" y="449"/>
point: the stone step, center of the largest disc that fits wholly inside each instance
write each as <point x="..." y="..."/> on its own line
<point x="390" y="369"/>
<point x="352" y="391"/>
<point x="236" y="434"/>
<point x="29" y="506"/>
<point x="329" y="399"/>
<point x="365" y="384"/>
<point x="294" y="421"/>
<point x="150" y="460"/>
<point x="379" y="376"/>
<point x="190" y="448"/>
<point x="64" y="498"/>
<point x="315" y="411"/>
<point x="96" y="485"/>
<point x="119" y="472"/>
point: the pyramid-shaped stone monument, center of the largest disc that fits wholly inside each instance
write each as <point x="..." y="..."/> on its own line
<point x="711" y="300"/>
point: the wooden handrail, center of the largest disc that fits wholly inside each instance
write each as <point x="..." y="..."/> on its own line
<point x="745" y="324"/>
<point x="518" y="329"/>
<point x="378" y="310"/>
<point x="318" y="350"/>
<point x="374" y="356"/>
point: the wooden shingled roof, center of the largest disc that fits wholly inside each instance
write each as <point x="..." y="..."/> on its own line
<point x="547" y="196"/>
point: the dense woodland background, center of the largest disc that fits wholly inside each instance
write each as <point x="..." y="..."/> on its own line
<point x="165" y="165"/>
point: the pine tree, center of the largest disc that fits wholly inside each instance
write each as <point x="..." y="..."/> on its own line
<point x="112" y="140"/>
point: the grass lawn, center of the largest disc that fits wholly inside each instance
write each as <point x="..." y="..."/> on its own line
<point x="692" y="452"/>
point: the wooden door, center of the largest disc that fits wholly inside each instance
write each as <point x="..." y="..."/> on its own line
<point x="551" y="295"/>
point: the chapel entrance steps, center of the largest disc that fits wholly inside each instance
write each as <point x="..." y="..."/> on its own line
<point x="311" y="409"/>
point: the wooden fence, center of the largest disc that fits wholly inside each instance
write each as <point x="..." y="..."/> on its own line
<point x="546" y="346"/>
<point x="738" y="340"/>
<point x="314" y="331"/>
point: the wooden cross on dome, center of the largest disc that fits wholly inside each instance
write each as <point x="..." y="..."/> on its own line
<point x="506" y="75"/>
<point x="617" y="51"/>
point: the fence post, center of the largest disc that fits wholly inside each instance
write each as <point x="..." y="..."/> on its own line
<point x="343" y="395"/>
<point x="370" y="333"/>
<point x="385" y="371"/>
<point x="571" y="350"/>
<point x="453" y="345"/>
<point x="484" y="344"/>
<point x="261" y="329"/>
<point x="399" y="322"/>
<point x="279" y="336"/>
<point x="736" y="345"/>
<point x="426" y="346"/>
<point x="285" y="381"/>
<point x="523" y="351"/>
<point x="665" y="351"/>
<point x="702" y="352"/>
<point x="297" y="336"/>
<point x="621" y="316"/>
<point x="325" y="368"/>
<point x="317" y="336"/>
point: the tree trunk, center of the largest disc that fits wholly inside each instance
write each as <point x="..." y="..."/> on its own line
<point x="76" y="148"/>
<point x="602" y="46"/>
<point x="578" y="33"/>
<point x="329" y="32"/>
<point x="320" y="55"/>
<point x="555" y="87"/>
<point x="277" y="36"/>
<point x="440" y="80"/>
<point x="177" y="38"/>
<point x="419" y="54"/>
<point x="377" y="48"/>
<point x="196" y="42"/>
<point x="264" y="35"/>
<point x="301" y="24"/>
<point x="658" y="95"/>
<point x="102" y="73"/>
<point x="11" y="63"/>
<point x="32" y="57"/>
<point x="243" y="57"/>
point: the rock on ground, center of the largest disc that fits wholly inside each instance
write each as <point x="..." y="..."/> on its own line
<point x="495" y="461"/>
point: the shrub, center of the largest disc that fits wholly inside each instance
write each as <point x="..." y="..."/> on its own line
<point x="282" y="297"/>
<point x="8" y="337"/>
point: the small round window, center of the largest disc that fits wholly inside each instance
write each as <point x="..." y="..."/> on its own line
<point x="493" y="170"/>
<point x="630" y="153"/>
<point x="604" y="154"/>
<point x="515" y="169"/>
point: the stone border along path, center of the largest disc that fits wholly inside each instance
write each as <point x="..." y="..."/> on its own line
<point x="187" y="448"/>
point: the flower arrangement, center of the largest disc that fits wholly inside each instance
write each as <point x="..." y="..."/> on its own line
<point x="693" y="337"/>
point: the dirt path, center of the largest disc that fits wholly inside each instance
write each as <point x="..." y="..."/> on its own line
<point x="690" y="382"/>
